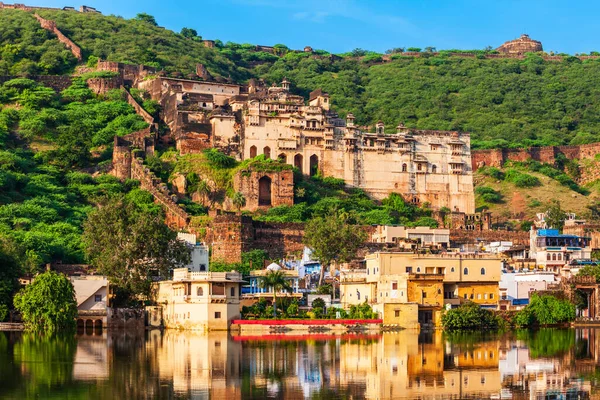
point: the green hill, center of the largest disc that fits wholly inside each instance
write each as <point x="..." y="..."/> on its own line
<point x="51" y="143"/>
<point x="502" y="102"/>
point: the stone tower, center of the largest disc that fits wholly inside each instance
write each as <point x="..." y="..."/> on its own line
<point x="520" y="46"/>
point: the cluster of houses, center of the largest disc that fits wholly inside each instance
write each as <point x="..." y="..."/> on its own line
<point x="409" y="282"/>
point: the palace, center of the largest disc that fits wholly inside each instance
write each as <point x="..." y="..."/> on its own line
<point x="247" y="121"/>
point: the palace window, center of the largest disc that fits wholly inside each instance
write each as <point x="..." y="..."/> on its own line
<point x="97" y="298"/>
<point x="217" y="315"/>
<point x="466" y="271"/>
<point x="199" y="292"/>
<point x="232" y="292"/>
<point x="482" y="271"/>
<point x="433" y="169"/>
<point x="404" y="167"/>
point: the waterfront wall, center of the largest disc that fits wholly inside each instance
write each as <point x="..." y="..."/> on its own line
<point x="309" y="325"/>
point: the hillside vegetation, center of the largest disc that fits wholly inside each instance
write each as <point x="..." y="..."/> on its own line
<point x="502" y="102"/>
<point x="46" y="143"/>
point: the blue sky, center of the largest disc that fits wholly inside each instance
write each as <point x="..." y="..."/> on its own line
<point x="342" y="25"/>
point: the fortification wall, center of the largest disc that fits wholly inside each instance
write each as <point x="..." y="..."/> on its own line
<point x="51" y="26"/>
<point x="56" y="82"/>
<point x="461" y="236"/>
<point x="176" y="217"/>
<point x="103" y="85"/>
<point x="548" y="154"/>
<point x="138" y="108"/>
<point x="131" y="74"/>
<point x="278" y="239"/>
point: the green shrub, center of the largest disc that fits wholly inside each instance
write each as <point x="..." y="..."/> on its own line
<point x="520" y="179"/>
<point x="218" y="159"/>
<point x="470" y="316"/>
<point x="492" y="172"/>
<point x="488" y="194"/>
<point x="545" y="310"/>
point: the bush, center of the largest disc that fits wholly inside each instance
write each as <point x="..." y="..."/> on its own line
<point x="520" y="179"/>
<point x="545" y="310"/>
<point x="218" y="159"/>
<point x="488" y="194"/>
<point x="492" y="172"/>
<point x="470" y="316"/>
<point x="361" y="311"/>
<point x="318" y="307"/>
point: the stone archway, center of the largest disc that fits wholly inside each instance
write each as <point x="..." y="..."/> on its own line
<point x="264" y="191"/>
<point x="314" y="165"/>
<point x="252" y="151"/>
<point x="298" y="162"/>
<point x="282" y="158"/>
<point x="267" y="152"/>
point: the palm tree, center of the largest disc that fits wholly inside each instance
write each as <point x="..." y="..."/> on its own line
<point x="278" y="281"/>
<point x="238" y="200"/>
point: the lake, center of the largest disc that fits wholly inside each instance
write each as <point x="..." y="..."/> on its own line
<point x="549" y="363"/>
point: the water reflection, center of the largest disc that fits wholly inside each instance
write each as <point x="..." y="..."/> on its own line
<point x="544" y="364"/>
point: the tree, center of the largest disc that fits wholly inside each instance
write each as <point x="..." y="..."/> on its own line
<point x="189" y="33"/>
<point x="332" y="239"/>
<point x="10" y="269"/>
<point x="590" y="270"/>
<point x="545" y="310"/>
<point x="470" y="316"/>
<point x="278" y="281"/>
<point x="555" y="216"/>
<point x="131" y="244"/>
<point x="395" y="50"/>
<point x="430" y="49"/>
<point x="48" y="304"/>
<point x="238" y="200"/>
<point x="147" y="18"/>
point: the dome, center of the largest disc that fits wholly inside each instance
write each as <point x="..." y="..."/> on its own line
<point x="273" y="267"/>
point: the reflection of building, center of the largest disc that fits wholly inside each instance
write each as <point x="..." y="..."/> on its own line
<point x="198" y="365"/>
<point x="200" y="300"/>
<point x="430" y="281"/>
<point x="543" y="376"/>
<point x="91" y="358"/>
<point x="408" y="365"/>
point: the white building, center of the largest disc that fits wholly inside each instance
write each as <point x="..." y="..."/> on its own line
<point x="91" y="292"/>
<point x="199" y="262"/>
<point x="553" y="250"/>
<point x="518" y="286"/>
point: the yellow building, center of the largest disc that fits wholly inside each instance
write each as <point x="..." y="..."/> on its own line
<point x="200" y="300"/>
<point x="431" y="281"/>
